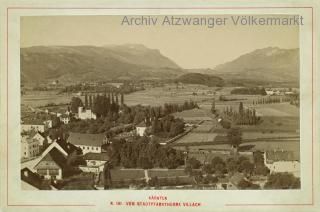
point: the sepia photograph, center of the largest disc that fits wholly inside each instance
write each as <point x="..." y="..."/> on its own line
<point x="160" y="102"/>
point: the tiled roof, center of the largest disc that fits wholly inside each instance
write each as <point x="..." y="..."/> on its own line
<point x="54" y="155"/>
<point x="96" y="156"/>
<point x="86" y="139"/>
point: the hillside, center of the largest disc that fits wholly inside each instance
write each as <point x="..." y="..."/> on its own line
<point x="79" y="63"/>
<point x="269" y="64"/>
<point x="201" y="79"/>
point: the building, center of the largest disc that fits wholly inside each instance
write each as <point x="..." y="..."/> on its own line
<point x="65" y="118"/>
<point x="86" y="114"/>
<point x="87" y="142"/>
<point x="95" y="162"/>
<point x="282" y="161"/>
<point x="38" y="136"/>
<point x="32" y="181"/>
<point x="30" y="147"/>
<point x="270" y="92"/>
<point x="52" y="163"/>
<point x="141" y="128"/>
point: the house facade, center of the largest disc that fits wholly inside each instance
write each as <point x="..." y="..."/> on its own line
<point x="30" y="147"/>
<point x="64" y="118"/>
<point x="141" y="128"/>
<point x="282" y="161"/>
<point x="86" y="114"/>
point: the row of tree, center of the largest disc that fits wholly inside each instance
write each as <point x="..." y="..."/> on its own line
<point x="243" y="116"/>
<point x="271" y="100"/>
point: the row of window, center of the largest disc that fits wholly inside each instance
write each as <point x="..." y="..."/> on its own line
<point x="88" y="148"/>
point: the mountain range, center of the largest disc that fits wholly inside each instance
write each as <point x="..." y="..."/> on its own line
<point x="83" y="63"/>
<point x="135" y="61"/>
<point x="270" y="64"/>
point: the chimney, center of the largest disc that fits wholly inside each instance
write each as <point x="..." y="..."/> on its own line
<point x="25" y="173"/>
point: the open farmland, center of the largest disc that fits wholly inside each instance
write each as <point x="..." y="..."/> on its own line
<point x="193" y="115"/>
<point x="42" y="98"/>
<point x="169" y="94"/>
<point x="280" y="109"/>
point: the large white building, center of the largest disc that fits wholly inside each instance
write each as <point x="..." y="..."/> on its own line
<point x="86" y="113"/>
<point x="282" y="161"/>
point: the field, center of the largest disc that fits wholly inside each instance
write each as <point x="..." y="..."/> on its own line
<point x="279" y="110"/>
<point x="193" y="115"/>
<point x="169" y="94"/>
<point x="42" y="98"/>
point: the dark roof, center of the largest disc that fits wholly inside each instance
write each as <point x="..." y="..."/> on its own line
<point x="278" y="155"/>
<point x="64" y="116"/>
<point x="54" y="155"/>
<point x="142" y="124"/>
<point x="96" y="156"/>
<point x="86" y="139"/>
<point x="33" y="179"/>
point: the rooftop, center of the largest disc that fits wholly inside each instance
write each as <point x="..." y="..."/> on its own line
<point x="86" y="139"/>
<point x="96" y="156"/>
<point x="280" y="155"/>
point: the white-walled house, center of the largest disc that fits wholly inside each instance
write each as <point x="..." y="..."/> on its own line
<point x="282" y="161"/>
<point x="141" y="128"/>
<point x="86" y="113"/>
<point x="30" y="147"/>
<point x="87" y="142"/>
<point x="52" y="162"/>
<point x="95" y="161"/>
<point x="64" y="118"/>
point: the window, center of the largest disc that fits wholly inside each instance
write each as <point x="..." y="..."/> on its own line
<point x="97" y="148"/>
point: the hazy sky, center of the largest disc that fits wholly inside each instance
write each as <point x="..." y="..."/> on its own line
<point x="188" y="46"/>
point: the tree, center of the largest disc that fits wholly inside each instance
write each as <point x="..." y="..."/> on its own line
<point x="244" y="184"/>
<point x="213" y="106"/>
<point x="75" y="103"/>
<point x="86" y="100"/>
<point x="193" y="163"/>
<point x="282" y="181"/>
<point x="90" y="101"/>
<point x="100" y="106"/>
<point x="241" y="108"/>
<point x="122" y="99"/>
<point x="234" y="137"/>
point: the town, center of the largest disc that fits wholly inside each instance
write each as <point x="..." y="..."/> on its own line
<point x="159" y="135"/>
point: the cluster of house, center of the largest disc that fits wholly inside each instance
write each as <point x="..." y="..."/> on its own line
<point x="52" y="163"/>
<point x="278" y="92"/>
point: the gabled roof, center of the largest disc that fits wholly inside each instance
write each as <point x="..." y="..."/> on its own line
<point x="96" y="156"/>
<point x="64" y="116"/>
<point x="54" y="155"/>
<point x="86" y="139"/>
